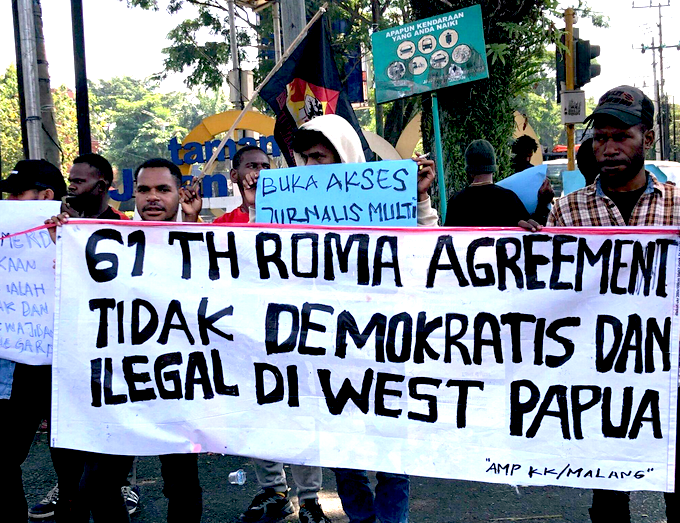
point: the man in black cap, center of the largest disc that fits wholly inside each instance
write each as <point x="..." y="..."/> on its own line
<point x="483" y="203"/>
<point x="24" y="389"/>
<point x="34" y="180"/>
<point x="623" y="194"/>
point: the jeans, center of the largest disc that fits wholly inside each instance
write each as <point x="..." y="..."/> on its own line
<point x="270" y="474"/>
<point x="389" y="505"/>
<point x="20" y="415"/>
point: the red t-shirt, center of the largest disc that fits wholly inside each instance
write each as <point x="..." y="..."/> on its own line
<point x="235" y="216"/>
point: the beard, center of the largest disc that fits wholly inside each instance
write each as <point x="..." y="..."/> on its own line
<point x="85" y="203"/>
<point x="622" y="177"/>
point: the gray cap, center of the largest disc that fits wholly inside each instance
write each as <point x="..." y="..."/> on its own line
<point x="480" y="158"/>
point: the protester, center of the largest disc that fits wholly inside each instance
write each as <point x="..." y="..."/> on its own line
<point x="331" y="139"/>
<point x="99" y="476"/>
<point x="160" y="197"/>
<point x="272" y="503"/>
<point x="483" y="203"/>
<point x="247" y="160"/>
<point x="523" y="149"/>
<point x="90" y="178"/>
<point x="623" y="194"/>
<point x="24" y="389"/>
<point x="326" y="140"/>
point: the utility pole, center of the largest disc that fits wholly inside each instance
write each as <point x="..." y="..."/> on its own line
<point x="235" y="76"/>
<point x="29" y="63"/>
<point x="50" y="138"/>
<point x="657" y="108"/>
<point x="661" y="128"/>
<point x="20" y="77"/>
<point x="293" y="20"/>
<point x="569" y="80"/>
<point x="379" y="119"/>
<point x="276" y="16"/>
<point x="82" y="98"/>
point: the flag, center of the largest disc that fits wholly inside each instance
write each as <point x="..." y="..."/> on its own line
<point x="308" y="85"/>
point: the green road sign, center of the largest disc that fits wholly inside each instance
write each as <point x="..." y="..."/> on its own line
<point x="429" y="54"/>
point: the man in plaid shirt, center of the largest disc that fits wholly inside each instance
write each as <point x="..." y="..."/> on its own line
<point x="623" y="194"/>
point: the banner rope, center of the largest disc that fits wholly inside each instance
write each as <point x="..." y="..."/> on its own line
<point x="34" y="229"/>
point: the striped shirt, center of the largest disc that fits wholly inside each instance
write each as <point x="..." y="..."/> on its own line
<point x="590" y="206"/>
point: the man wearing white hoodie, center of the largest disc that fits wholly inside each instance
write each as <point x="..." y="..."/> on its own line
<point x="331" y="139"/>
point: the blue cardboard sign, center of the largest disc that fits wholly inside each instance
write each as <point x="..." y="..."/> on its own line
<point x="572" y="181"/>
<point x="525" y="185"/>
<point x="371" y="194"/>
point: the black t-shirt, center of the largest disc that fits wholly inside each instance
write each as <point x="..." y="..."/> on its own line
<point x="520" y="164"/>
<point x="625" y="201"/>
<point x="485" y="206"/>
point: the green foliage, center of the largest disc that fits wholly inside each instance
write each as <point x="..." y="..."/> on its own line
<point x="137" y="121"/>
<point x="206" y="64"/>
<point x="67" y="125"/>
<point x="10" y="122"/>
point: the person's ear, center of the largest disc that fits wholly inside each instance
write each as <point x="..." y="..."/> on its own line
<point x="46" y="194"/>
<point x="649" y="139"/>
<point x="233" y="174"/>
<point x="101" y="186"/>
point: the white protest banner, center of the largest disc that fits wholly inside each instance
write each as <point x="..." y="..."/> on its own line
<point x="488" y="355"/>
<point x="374" y="194"/>
<point x="26" y="282"/>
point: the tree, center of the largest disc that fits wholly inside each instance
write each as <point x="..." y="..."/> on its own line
<point x="351" y="23"/>
<point x="10" y="121"/>
<point x="207" y="63"/>
<point x="67" y="125"/>
<point x="539" y="103"/>
<point x="516" y="33"/>
<point x="136" y="122"/>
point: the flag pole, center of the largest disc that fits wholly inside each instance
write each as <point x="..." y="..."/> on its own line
<point x="209" y="165"/>
<point x="439" y="156"/>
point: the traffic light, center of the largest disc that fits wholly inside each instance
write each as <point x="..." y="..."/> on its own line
<point x="560" y="62"/>
<point x="585" y="71"/>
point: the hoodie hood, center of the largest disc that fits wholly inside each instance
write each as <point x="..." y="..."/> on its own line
<point x="341" y="134"/>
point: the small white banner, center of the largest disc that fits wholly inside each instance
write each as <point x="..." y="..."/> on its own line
<point x="486" y="355"/>
<point x="26" y="282"/>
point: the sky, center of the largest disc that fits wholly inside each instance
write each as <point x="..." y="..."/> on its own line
<point x="121" y="41"/>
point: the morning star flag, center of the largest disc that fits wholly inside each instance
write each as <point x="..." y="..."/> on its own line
<point x="306" y="86"/>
